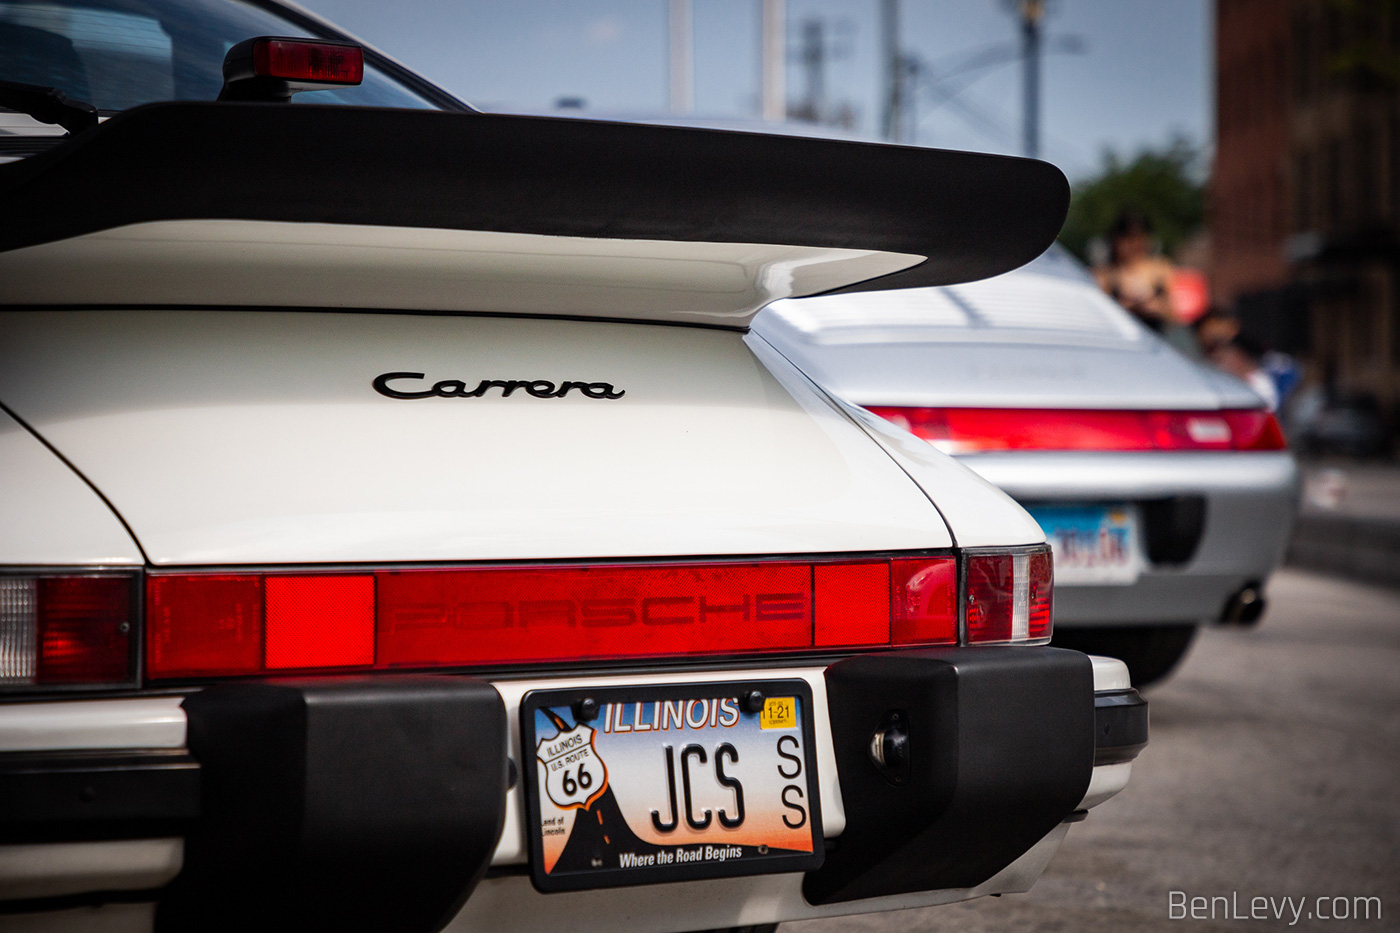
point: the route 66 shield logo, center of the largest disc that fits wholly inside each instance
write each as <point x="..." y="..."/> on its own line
<point x="574" y="774"/>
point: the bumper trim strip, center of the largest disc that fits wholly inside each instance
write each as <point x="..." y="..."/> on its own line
<point x="71" y="796"/>
<point x="1120" y="726"/>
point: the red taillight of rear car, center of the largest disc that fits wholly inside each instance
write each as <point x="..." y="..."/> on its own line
<point x="974" y="430"/>
<point x="67" y="630"/>
<point x="201" y="625"/>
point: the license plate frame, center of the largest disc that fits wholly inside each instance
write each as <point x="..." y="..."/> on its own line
<point x="609" y="698"/>
<point x="1054" y="517"/>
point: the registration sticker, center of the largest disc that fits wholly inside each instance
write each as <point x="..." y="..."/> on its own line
<point x="670" y="782"/>
<point x="778" y="713"/>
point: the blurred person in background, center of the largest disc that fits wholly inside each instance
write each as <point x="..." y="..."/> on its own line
<point x="1221" y="341"/>
<point x="1213" y="329"/>
<point x="1243" y="358"/>
<point x="1139" y="278"/>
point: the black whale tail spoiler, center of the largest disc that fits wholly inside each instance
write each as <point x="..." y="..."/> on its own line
<point x="662" y="211"/>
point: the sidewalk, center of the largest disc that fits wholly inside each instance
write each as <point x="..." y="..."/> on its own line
<point x="1350" y="522"/>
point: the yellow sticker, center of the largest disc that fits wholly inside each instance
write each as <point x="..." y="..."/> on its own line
<point x="778" y="713"/>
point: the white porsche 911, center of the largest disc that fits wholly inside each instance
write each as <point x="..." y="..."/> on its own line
<point x="400" y="530"/>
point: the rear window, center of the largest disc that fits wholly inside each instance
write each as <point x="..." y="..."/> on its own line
<point x="116" y="54"/>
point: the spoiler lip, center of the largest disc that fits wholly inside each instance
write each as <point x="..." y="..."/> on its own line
<point x="972" y="215"/>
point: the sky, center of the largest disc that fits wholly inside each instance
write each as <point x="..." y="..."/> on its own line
<point x="1120" y="74"/>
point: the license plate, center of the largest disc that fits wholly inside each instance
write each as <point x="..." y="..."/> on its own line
<point x="1092" y="544"/>
<point x="670" y="783"/>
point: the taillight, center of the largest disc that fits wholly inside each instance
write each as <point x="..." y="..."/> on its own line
<point x="66" y="630"/>
<point x="220" y="624"/>
<point x="273" y="68"/>
<point x="1008" y="596"/>
<point x="972" y="430"/>
<point x="317" y="61"/>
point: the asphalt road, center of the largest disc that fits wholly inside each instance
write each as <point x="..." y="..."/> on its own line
<point x="1273" y="771"/>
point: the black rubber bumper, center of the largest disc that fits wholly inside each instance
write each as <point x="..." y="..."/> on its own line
<point x="985" y="751"/>
<point x="359" y="804"/>
<point x="340" y="804"/>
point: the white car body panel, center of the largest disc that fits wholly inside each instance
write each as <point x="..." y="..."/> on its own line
<point x="264" y="263"/>
<point x="977" y="513"/>
<point x="49" y="515"/>
<point x="221" y="438"/>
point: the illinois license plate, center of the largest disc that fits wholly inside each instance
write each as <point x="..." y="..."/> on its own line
<point x="669" y="783"/>
<point x="1092" y="544"/>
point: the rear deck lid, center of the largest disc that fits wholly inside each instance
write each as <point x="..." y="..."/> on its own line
<point x="256" y="437"/>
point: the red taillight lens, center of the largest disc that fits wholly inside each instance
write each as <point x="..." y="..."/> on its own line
<point x="989" y="598"/>
<point x="1255" y="430"/>
<point x="924" y="602"/>
<point x="1009" y="597"/>
<point x="971" y="430"/>
<point x="1040" y="595"/>
<point x="202" y="625"/>
<point x="66" y="630"/>
<point x="84" y="630"/>
<point x="310" y="61"/>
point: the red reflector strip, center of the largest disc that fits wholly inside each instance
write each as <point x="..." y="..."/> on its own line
<point x="319" y="621"/>
<point x="971" y="430"/>
<point x="853" y="604"/>
<point x="319" y="62"/>
<point x="203" y="625"/>
<point x="434" y="617"/>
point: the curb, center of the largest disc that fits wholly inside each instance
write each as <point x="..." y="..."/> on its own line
<point x="1358" y="548"/>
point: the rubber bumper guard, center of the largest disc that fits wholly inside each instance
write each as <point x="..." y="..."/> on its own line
<point x="341" y="804"/>
<point x="995" y="749"/>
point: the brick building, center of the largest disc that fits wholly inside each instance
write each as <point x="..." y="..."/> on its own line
<point x="1305" y="194"/>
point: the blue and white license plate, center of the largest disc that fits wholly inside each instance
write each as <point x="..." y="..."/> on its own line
<point x="669" y="783"/>
<point x="1092" y="544"/>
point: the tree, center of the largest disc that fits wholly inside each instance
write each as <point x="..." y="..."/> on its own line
<point x="1162" y="184"/>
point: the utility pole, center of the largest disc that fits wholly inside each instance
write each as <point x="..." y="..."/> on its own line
<point x="682" y="58"/>
<point x="813" y="55"/>
<point x="892" y="119"/>
<point x="774" y="61"/>
<point x="1031" y="13"/>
